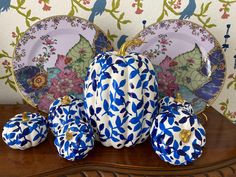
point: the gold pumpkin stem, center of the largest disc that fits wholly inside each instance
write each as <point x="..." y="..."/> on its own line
<point x="69" y="135"/>
<point x="65" y="100"/>
<point x="185" y="135"/>
<point x="24" y="117"/>
<point x="136" y="42"/>
<point x="179" y="98"/>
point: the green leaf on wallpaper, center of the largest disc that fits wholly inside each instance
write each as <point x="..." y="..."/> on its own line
<point x="230" y="84"/>
<point x="211" y="26"/>
<point x="166" y="13"/>
<point x="28" y="13"/>
<point x="227" y="101"/>
<point x="171" y="2"/>
<point x="206" y="7"/>
<point x="161" y="16"/>
<point x="202" y="6"/>
<point x="227" y="9"/>
<point x="2" y="55"/>
<point x="4" y="52"/>
<point x="121" y="16"/>
<point x="81" y="54"/>
<point x="11" y="84"/>
<point x="111" y="36"/>
<point x="71" y="13"/>
<point x="17" y="30"/>
<point x="113" y="4"/>
<point x="27" y="22"/>
<point x="20" y="2"/>
<point x="117" y="4"/>
<point x="118" y="26"/>
<point x="223" y="104"/>
<point x="208" y="19"/>
<point x="187" y="70"/>
<point x="126" y="21"/>
<point x="34" y="18"/>
<point x="141" y="5"/>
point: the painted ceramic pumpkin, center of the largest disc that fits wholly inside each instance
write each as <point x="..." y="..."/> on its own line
<point x="63" y="110"/>
<point x="25" y="130"/>
<point x="121" y="97"/>
<point x="74" y="141"/>
<point x="177" y="137"/>
<point x="170" y="104"/>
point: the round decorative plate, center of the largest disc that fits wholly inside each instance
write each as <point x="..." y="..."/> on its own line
<point x="187" y="59"/>
<point x="52" y="57"/>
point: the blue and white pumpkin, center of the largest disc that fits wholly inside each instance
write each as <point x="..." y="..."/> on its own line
<point x="177" y="137"/>
<point x="74" y="141"/>
<point x="170" y="103"/>
<point x="121" y="97"/>
<point x="25" y="130"/>
<point x="63" y="110"/>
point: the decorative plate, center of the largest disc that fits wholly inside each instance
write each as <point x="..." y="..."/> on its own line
<point x="52" y="57"/>
<point x="187" y="59"/>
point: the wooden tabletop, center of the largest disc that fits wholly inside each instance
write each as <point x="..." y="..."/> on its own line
<point x="218" y="158"/>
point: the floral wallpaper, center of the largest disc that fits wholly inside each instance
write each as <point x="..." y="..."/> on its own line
<point x="121" y="20"/>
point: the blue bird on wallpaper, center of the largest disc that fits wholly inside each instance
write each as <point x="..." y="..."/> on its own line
<point x="189" y="10"/>
<point x="98" y="8"/>
<point x="121" y="40"/>
<point x="4" y="5"/>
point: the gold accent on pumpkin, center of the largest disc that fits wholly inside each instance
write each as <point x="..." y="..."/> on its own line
<point x="69" y="135"/>
<point x="135" y="42"/>
<point x="185" y="135"/>
<point x="65" y="100"/>
<point x="24" y="117"/>
<point x="179" y="98"/>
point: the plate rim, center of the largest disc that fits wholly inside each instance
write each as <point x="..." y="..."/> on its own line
<point x="25" y="98"/>
<point x="217" y="46"/>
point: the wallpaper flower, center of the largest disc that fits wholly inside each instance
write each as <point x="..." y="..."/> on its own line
<point x="121" y="20"/>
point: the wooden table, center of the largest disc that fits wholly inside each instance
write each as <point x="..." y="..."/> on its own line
<point x="218" y="159"/>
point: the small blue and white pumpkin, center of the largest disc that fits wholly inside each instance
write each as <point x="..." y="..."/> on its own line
<point x="63" y="110"/>
<point x="25" y="130"/>
<point x="170" y="103"/>
<point x="177" y="138"/>
<point x="74" y="141"/>
<point x="121" y="97"/>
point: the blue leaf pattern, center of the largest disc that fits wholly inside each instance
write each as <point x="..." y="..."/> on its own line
<point x="126" y="96"/>
<point x="165" y="135"/>
<point x="80" y="144"/>
<point x="22" y="135"/>
<point x="60" y="114"/>
<point x="168" y="104"/>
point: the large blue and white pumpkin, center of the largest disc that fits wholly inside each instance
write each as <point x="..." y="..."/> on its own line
<point x="177" y="137"/>
<point x="121" y="97"/>
<point x="74" y="140"/>
<point x="63" y="110"/>
<point x="25" y="130"/>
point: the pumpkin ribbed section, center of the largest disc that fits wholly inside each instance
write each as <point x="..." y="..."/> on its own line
<point x="121" y="97"/>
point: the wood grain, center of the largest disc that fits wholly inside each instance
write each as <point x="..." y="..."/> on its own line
<point x="218" y="158"/>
